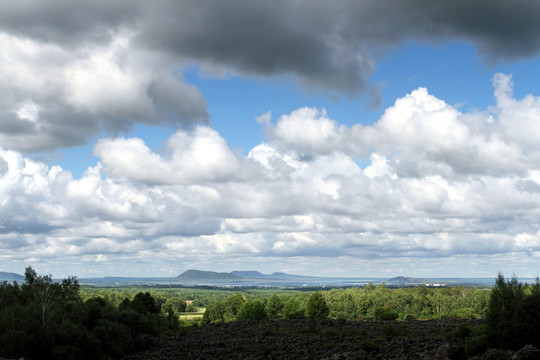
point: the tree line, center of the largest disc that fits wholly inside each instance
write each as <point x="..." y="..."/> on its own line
<point x="46" y="319"/>
<point x="367" y="303"/>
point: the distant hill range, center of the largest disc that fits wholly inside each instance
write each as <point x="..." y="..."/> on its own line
<point x="199" y="275"/>
<point x="7" y="276"/>
<point x="407" y="280"/>
<point x="235" y="278"/>
<point x="275" y="275"/>
<point x="249" y="274"/>
<point x="238" y="277"/>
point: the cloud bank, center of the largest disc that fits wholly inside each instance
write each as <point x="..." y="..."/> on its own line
<point x="425" y="187"/>
<point x="70" y="71"/>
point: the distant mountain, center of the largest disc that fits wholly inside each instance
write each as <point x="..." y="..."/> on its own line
<point x="255" y="278"/>
<point x="406" y="280"/>
<point x="273" y="276"/>
<point x="198" y="275"/>
<point x="7" y="276"/>
<point x="249" y="274"/>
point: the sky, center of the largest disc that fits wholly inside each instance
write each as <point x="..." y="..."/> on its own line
<point x="344" y="138"/>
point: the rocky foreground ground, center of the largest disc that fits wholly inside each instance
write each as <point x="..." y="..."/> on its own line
<point x="316" y="339"/>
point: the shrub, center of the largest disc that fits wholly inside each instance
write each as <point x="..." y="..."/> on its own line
<point x="385" y="313"/>
<point x="464" y="313"/>
<point x="409" y="317"/>
<point x="497" y="354"/>
<point x="476" y="345"/>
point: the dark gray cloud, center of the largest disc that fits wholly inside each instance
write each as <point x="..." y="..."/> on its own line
<point x="71" y="69"/>
<point x="67" y="22"/>
<point x="332" y="45"/>
<point x="323" y="44"/>
<point x="263" y="38"/>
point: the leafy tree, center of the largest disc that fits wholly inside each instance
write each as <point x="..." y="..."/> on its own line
<point x="43" y="289"/>
<point x="252" y="310"/>
<point x="274" y="307"/>
<point x="343" y="307"/>
<point x="232" y="306"/>
<point x="293" y="309"/>
<point x="214" y="313"/>
<point x="144" y="303"/>
<point x="173" y="306"/>
<point x="316" y="307"/>
<point x="369" y="287"/>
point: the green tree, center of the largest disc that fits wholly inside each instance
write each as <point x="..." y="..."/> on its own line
<point x="214" y="313"/>
<point x="344" y="308"/>
<point x="252" y="310"/>
<point x="316" y="307"/>
<point x="527" y="321"/>
<point x="144" y="303"/>
<point x="506" y="297"/>
<point x="369" y="287"/>
<point x="48" y="294"/>
<point x="174" y="305"/>
<point x="232" y="305"/>
<point x="293" y="309"/>
<point x="274" y="307"/>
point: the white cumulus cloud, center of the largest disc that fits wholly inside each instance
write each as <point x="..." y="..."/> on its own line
<point x="441" y="188"/>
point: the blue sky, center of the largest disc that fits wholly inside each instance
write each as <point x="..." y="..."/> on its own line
<point x="454" y="72"/>
<point x="346" y="141"/>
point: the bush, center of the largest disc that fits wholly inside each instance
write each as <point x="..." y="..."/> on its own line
<point x="409" y="317"/>
<point x="476" y="345"/>
<point x="385" y="313"/>
<point x="497" y="354"/>
<point x="464" y="313"/>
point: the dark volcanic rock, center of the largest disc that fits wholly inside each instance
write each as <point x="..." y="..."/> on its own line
<point x="528" y="352"/>
<point x="451" y="351"/>
<point x="310" y="339"/>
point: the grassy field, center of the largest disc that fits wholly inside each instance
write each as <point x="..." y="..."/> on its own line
<point x="192" y="316"/>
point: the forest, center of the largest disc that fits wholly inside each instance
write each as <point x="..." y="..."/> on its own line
<point x="46" y="319"/>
